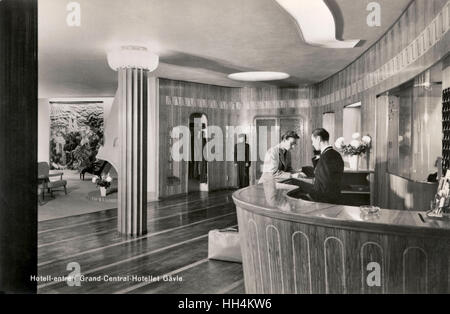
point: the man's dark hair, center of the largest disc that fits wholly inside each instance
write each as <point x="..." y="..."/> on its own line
<point x="289" y="134"/>
<point x="322" y="133"/>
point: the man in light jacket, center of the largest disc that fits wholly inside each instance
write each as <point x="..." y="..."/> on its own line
<point x="277" y="161"/>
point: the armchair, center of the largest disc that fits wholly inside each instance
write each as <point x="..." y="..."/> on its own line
<point x="95" y="168"/>
<point x="44" y="182"/>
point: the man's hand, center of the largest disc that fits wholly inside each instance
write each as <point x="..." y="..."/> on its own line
<point x="298" y="175"/>
<point x="302" y="175"/>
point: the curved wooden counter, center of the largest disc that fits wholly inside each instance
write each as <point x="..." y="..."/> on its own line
<point x="295" y="246"/>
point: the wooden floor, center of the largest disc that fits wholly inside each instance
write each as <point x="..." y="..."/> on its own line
<point x="176" y="245"/>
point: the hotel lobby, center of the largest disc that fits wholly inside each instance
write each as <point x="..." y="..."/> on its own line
<point x="137" y="147"/>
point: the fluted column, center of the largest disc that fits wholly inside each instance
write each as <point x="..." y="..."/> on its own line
<point x="132" y="198"/>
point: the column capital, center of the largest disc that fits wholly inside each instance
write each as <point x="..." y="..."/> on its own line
<point x="137" y="57"/>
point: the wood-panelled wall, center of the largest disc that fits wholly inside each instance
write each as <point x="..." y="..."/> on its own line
<point x="221" y="174"/>
<point x="298" y="104"/>
<point x="18" y="145"/>
<point x="446" y="72"/>
<point x="179" y="99"/>
<point x="419" y="39"/>
<point x="410" y="195"/>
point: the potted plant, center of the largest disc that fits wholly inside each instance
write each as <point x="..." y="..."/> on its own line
<point x="353" y="150"/>
<point x="103" y="182"/>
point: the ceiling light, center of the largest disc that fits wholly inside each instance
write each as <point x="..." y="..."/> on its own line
<point x="258" y="76"/>
<point x="316" y="23"/>
<point x="132" y="57"/>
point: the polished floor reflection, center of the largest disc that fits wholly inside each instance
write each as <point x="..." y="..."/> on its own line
<point x="176" y="246"/>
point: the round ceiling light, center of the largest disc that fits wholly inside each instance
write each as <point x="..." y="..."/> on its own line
<point x="258" y="76"/>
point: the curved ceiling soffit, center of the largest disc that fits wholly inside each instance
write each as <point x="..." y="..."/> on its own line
<point x="316" y="23"/>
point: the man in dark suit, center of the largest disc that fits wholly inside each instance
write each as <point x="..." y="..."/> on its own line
<point x="242" y="161"/>
<point x="328" y="171"/>
<point x="316" y="157"/>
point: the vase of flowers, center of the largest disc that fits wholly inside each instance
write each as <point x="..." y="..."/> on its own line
<point x="356" y="148"/>
<point x="353" y="161"/>
<point x="104" y="182"/>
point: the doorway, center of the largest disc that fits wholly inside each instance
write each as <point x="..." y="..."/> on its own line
<point x="197" y="179"/>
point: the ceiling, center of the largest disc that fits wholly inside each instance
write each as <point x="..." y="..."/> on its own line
<point x="197" y="40"/>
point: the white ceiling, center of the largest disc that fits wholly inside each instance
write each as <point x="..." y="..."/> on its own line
<point x="197" y="40"/>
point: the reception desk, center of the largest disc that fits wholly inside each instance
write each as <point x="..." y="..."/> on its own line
<point x="295" y="246"/>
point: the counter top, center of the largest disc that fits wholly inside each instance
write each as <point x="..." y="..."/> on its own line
<point x="271" y="199"/>
<point x="348" y="170"/>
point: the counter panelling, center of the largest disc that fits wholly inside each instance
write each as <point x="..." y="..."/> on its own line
<point x="295" y="246"/>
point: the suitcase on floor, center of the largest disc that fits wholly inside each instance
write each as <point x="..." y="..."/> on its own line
<point x="223" y="245"/>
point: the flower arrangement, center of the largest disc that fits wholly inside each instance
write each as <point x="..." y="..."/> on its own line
<point x="102" y="181"/>
<point x="357" y="146"/>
